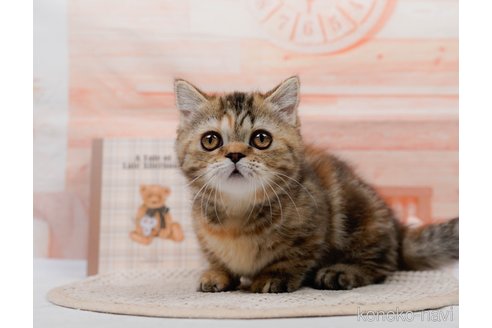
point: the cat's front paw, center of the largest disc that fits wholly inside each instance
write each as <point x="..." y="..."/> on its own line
<point x="215" y="281"/>
<point x="274" y="283"/>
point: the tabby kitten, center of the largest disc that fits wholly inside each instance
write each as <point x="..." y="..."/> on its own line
<point x="283" y="214"/>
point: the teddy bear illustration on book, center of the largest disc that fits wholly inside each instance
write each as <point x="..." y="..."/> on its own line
<point x="153" y="218"/>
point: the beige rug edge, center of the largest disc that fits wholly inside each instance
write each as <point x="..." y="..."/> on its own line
<point x="59" y="297"/>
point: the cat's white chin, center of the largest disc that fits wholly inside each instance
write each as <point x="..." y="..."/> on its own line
<point x="237" y="183"/>
<point x="238" y="186"/>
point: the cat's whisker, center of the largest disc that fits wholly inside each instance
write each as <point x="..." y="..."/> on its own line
<point x="278" y="199"/>
<point x="252" y="207"/>
<point x="267" y="197"/>
<point x="206" y="186"/>
<point x="259" y="175"/>
<point x="215" y="205"/>
<point x="286" y="183"/>
<point x="212" y="172"/>
<point x="199" y="191"/>
<point x="198" y="177"/>
<point x="208" y="200"/>
<point x="288" y="195"/>
<point x="214" y="190"/>
<point x="279" y="228"/>
<point x="220" y="193"/>
<point x="304" y="188"/>
<point x="202" y="199"/>
<point x="204" y="161"/>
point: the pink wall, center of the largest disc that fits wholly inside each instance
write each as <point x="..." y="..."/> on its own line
<point x="379" y="87"/>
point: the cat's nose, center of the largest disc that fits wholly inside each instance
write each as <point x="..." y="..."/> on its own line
<point x="235" y="157"/>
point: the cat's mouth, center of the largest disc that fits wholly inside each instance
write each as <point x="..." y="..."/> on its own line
<point x="235" y="174"/>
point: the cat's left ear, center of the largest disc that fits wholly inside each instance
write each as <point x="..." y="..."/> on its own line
<point x="189" y="98"/>
<point x="285" y="99"/>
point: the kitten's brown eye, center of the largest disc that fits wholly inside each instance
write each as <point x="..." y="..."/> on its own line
<point x="261" y="139"/>
<point x="211" y="141"/>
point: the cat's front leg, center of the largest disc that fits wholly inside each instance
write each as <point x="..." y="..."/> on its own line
<point x="281" y="277"/>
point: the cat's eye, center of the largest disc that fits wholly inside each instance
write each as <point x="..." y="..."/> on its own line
<point x="261" y="139"/>
<point x="211" y="140"/>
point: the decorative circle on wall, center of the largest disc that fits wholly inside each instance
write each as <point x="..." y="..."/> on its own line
<point x="320" y="26"/>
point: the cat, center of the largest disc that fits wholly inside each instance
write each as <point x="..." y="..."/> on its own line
<point x="283" y="214"/>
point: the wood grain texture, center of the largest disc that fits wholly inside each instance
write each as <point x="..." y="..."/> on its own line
<point x="389" y="105"/>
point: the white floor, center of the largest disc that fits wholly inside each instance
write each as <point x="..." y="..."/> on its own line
<point x="52" y="273"/>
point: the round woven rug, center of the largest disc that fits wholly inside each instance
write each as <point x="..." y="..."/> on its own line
<point x="172" y="293"/>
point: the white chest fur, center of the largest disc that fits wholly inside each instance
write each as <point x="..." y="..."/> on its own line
<point x="242" y="254"/>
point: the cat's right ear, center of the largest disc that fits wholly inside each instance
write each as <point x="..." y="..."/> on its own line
<point x="284" y="99"/>
<point x="188" y="98"/>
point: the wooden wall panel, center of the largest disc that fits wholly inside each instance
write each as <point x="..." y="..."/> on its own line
<point x="381" y="67"/>
<point x="435" y="169"/>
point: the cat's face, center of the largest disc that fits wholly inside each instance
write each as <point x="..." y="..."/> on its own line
<point x="239" y="144"/>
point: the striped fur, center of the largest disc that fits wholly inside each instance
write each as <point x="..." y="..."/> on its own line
<point x="295" y="215"/>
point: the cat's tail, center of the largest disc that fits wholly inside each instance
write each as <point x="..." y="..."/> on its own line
<point x="430" y="246"/>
